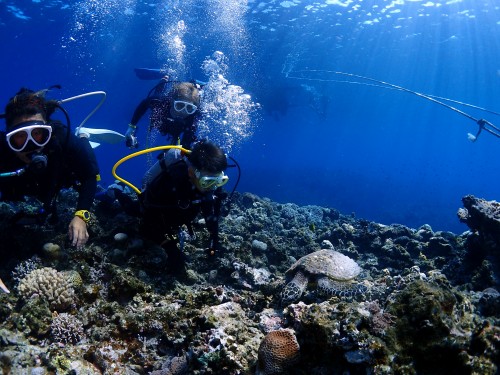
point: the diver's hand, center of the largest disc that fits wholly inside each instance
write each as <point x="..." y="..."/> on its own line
<point x="77" y="232"/>
<point x="130" y="138"/>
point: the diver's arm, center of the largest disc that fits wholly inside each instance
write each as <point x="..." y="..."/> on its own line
<point x="77" y="228"/>
<point x="141" y="109"/>
<point x="88" y="188"/>
<point x="84" y="165"/>
<point x="130" y="135"/>
<point x="87" y="171"/>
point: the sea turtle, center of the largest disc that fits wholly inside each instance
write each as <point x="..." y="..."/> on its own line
<point x="329" y="269"/>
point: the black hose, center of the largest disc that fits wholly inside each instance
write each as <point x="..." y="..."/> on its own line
<point x="68" y="123"/>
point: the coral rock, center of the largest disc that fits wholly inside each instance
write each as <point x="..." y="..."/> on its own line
<point x="277" y="352"/>
<point x="120" y="237"/>
<point x="481" y="215"/>
<point x="52" y="250"/>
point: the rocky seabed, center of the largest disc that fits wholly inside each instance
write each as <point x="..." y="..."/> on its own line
<point x="426" y="303"/>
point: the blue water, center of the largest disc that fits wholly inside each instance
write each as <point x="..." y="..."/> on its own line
<point x="384" y="155"/>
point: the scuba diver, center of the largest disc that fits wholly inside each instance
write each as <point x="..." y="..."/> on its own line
<point x="174" y="113"/>
<point x="39" y="156"/>
<point x="179" y="186"/>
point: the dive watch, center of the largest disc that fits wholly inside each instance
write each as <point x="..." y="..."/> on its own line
<point x="84" y="215"/>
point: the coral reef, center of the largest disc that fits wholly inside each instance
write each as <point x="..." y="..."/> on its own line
<point x="429" y="303"/>
<point x="483" y="260"/>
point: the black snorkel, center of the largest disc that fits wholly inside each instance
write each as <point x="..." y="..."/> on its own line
<point x="237" y="179"/>
<point x="61" y="108"/>
<point x="229" y="200"/>
<point x="68" y="122"/>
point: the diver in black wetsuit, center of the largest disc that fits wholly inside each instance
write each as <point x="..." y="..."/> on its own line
<point x="174" y="113"/>
<point x="176" y="189"/>
<point x="39" y="157"/>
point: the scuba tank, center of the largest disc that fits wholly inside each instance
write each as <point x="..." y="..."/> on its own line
<point x="166" y="159"/>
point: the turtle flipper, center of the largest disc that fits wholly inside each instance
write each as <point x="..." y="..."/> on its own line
<point x="294" y="289"/>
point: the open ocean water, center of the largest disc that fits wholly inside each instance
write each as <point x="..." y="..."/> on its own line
<point x="299" y="131"/>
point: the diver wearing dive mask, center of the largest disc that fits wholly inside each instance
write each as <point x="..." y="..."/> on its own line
<point x="175" y="113"/>
<point x="178" y="188"/>
<point x="40" y="156"/>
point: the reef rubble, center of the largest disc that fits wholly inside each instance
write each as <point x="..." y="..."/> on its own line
<point x="429" y="303"/>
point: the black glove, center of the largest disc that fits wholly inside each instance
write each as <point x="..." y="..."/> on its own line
<point x="130" y="138"/>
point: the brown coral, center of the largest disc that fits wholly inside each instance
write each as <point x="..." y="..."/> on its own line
<point x="49" y="284"/>
<point x="277" y="352"/>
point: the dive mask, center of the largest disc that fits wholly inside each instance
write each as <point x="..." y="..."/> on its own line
<point x="184" y="107"/>
<point x="211" y="182"/>
<point x="38" y="132"/>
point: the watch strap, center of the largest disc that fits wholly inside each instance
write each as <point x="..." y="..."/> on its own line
<point x="84" y="215"/>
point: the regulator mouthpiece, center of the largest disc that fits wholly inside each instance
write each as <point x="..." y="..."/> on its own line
<point x="38" y="163"/>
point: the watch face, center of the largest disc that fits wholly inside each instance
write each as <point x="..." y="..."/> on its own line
<point x="85" y="215"/>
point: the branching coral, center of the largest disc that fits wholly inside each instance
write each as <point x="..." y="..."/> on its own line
<point x="67" y="329"/>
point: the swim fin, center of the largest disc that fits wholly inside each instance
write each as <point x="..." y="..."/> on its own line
<point x="3" y="287"/>
<point x="98" y="136"/>
<point x="150" y="74"/>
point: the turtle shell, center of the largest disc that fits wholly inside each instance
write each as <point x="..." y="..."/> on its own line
<point x="328" y="263"/>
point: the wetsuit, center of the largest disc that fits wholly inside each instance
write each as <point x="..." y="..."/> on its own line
<point x="70" y="163"/>
<point x="170" y="200"/>
<point x="159" y="103"/>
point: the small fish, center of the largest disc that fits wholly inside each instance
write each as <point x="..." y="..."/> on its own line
<point x="3" y="287"/>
